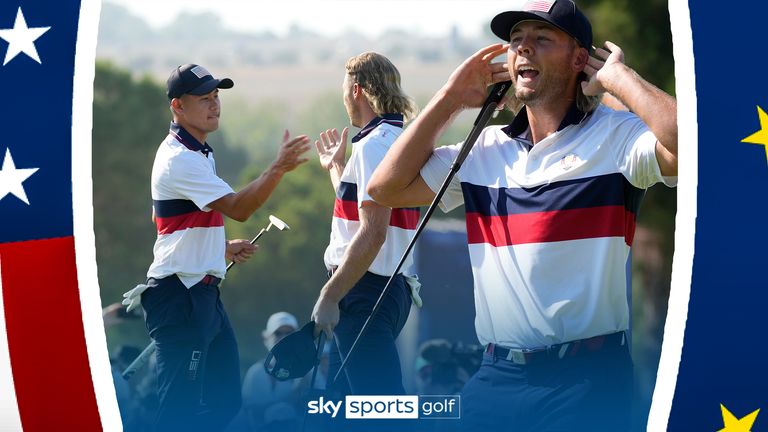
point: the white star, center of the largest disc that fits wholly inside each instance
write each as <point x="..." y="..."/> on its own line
<point x="12" y="178"/>
<point x="21" y="39"/>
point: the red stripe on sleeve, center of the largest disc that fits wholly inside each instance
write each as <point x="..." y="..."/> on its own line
<point x="405" y="218"/>
<point x="346" y="210"/>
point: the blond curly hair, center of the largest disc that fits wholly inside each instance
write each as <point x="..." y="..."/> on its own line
<point x="380" y="81"/>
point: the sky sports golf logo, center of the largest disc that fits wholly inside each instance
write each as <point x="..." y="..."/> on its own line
<point x="389" y="407"/>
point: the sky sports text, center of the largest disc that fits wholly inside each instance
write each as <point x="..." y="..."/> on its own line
<point x="389" y="407"/>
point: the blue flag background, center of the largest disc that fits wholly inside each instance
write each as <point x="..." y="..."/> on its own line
<point x="724" y="354"/>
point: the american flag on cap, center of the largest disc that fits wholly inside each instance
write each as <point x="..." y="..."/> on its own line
<point x="538" y="6"/>
<point x="54" y="367"/>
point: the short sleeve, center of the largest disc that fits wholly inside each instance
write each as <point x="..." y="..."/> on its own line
<point x="435" y="171"/>
<point x="635" y="154"/>
<point x="195" y="179"/>
<point x="364" y="161"/>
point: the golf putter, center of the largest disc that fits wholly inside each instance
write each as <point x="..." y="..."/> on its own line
<point x="273" y="221"/>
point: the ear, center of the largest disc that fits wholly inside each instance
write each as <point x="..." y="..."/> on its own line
<point x="357" y="91"/>
<point x="580" y="59"/>
<point x="176" y="105"/>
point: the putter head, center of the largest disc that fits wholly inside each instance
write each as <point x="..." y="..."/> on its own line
<point x="277" y="223"/>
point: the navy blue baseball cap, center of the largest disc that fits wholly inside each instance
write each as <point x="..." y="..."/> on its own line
<point x="562" y="14"/>
<point x="295" y="354"/>
<point x="195" y="80"/>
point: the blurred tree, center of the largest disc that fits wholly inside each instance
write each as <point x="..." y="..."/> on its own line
<point x="129" y="120"/>
<point x="288" y="270"/>
<point x="642" y="30"/>
<point x="254" y="129"/>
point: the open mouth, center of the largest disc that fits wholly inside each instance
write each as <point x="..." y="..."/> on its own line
<point x="527" y="72"/>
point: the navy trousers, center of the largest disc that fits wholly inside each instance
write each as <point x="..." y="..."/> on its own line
<point x="590" y="392"/>
<point x="374" y="366"/>
<point x="198" y="364"/>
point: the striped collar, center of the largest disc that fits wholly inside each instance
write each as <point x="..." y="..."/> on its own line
<point x="520" y="122"/>
<point x="188" y="140"/>
<point x="391" y="119"/>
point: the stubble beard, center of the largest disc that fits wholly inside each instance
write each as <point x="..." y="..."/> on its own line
<point x="549" y="89"/>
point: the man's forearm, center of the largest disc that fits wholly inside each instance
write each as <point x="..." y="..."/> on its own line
<point x="655" y="107"/>
<point x="412" y="149"/>
<point x="362" y="250"/>
<point x="241" y="205"/>
<point x="335" y="171"/>
<point x="359" y="256"/>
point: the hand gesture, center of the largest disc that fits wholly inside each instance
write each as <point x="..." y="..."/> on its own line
<point x="468" y="84"/>
<point x="289" y="155"/>
<point x="332" y="149"/>
<point x="239" y="250"/>
<point x="600" y="68"/>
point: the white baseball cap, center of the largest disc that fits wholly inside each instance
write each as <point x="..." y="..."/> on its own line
<point x="278" y="320"/>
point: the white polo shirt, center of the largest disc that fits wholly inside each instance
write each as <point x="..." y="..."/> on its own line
<point x="190" y="236"/>
<point x="550" y="226"/>
<point x="368" y="150"/>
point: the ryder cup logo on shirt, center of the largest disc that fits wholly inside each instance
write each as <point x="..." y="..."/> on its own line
<point x="569" y="161"/>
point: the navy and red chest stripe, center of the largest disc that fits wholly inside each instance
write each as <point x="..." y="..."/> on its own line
<point x="592" y="207"/>
<point x="180" y="214"/>
<point x="346" y="208"/>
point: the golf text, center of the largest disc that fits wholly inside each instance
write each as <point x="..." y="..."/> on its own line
<point x="389" y="407"/>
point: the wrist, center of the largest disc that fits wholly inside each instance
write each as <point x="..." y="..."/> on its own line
<point x="447" y="101"/>
<point x="327" y="294"/>
<point x="337" y="166"/>
<point x="276" y="169"/>
<point x="614" y="81"/>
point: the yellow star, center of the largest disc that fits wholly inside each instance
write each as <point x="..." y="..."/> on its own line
<point x="732" y="424"/>
<point x="761" y="136"/>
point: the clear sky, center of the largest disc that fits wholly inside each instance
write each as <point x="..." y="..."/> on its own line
<point x="331" y="17"/>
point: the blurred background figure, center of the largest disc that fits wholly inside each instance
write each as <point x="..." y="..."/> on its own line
<point x="267" y="402"/>
<point x="442" y="367"/>
<point x="135" y="397"/>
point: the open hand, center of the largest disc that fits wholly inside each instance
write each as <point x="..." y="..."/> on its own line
<point x="468" y="84"/>
<point x="291" y="150"/>
<point x="332" y="149"/>
<point x="600" y="67"/>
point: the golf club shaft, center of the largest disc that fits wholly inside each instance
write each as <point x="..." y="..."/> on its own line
<point x="263" y="230"/>
<point x="139" y="361"/>
<point x="489" y="106"/>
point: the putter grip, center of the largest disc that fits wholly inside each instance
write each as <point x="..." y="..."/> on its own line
<point x="492" y="101"/>
<point x="489" y="106"/>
